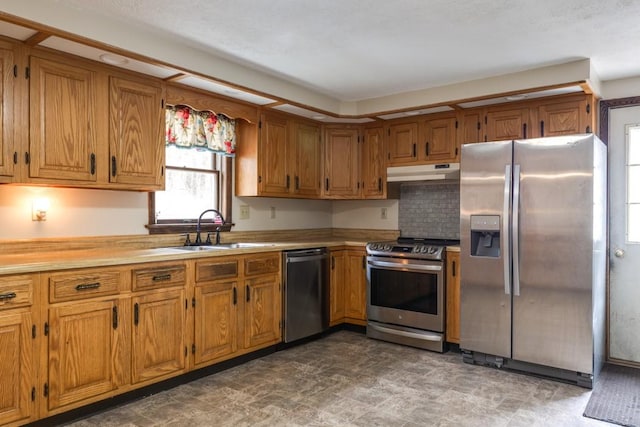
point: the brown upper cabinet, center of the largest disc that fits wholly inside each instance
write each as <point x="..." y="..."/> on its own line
<point x="423" y="139"/>
<point x="287" y="155"/>
<point x="342" y="163"/>
<point x="63" y="113"/>
<point x="68" y="121"/>
<point x="8" y="147"/>
<point x="554" y="116"/>
<point x="373" y="166"/>
<point x="136" y="130"/>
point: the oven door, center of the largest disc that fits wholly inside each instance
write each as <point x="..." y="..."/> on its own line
<point x="406" y="292"/>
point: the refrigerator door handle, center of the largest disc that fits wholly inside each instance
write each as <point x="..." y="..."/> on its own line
<point x="506" y="257"/>
<point x="516" y="230"/>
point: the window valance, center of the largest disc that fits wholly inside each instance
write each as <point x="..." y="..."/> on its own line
<point x="186" y="127"/>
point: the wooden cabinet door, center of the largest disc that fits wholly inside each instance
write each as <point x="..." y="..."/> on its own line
<point x="341" y="163"/>
<point x="507" y="124"/>
<point x="471" y="127"/>
<point x="158" y="339"/>
<point x="62" y="117"/>
<point x="136" y="129"/>
<point x="216" y="321"/>
<point x="8" y="149"/>
<point x="564" y="118"/>
<point x="17" y="376"/>
<point x="453" y="298"/>
<point x="355" y="303"/>
<point x="337" y="287"/>
<point x="84" y="341"/>
<point x="403" y="143"/>
<point x="307" y="155"/>
<point x="438" y="142"/>
<point x="373" y="165"/>
<point x="262" y="312"/>
<point x="274" y="177"/>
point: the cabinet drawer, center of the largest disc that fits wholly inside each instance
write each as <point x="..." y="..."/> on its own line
<point x="218" y="269"/>
<point x="269" y="263"/>
<point x="16" y="291"/>
<point x="158" y="277"/>
<point x="86" y="284"/>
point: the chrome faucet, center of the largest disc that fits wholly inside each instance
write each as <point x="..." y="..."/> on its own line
<point x="198" y="239"/>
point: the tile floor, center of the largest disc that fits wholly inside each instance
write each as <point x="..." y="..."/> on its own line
<point x="346" y="379"/>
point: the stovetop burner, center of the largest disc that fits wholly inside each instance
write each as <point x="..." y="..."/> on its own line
<point x="411" y="247"/>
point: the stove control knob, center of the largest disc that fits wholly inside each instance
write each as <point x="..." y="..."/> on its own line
<point x="387" y="248"/>
<point x="373" y="246"/>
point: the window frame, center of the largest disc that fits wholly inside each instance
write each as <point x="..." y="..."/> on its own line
<point x="225" y="172"/>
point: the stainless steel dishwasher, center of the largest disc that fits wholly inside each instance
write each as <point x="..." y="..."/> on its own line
<point x="306" y="296"/>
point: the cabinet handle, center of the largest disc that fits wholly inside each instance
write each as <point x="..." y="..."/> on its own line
<point x="288" y="182"/>
<point x="161" y="277"/>
<point x="524" y="130"/>
<point x="86" y="286"/>
<point x="426" y="149"/>
<point x="248" y="292"/>
<point x="115" y="317"/>
<point x="379" y="184"/>
<point x="297" y="181"/>
<point x="326" y="184"/>
<point x="333" y="262"/>
<point x="541" y="128"/>
<point x="7" y="296"/>
<point x="93" y="164"/>
<point x="15" y="157"/>
<point x="235" y="296"/>
<point x="113" y="166"/>
<point x="26" y="157"/>
<point x="136" y="314"/>
<point x="364" y="262"/>
<point x="414" y="149"/>
<point x="453" y="273"/>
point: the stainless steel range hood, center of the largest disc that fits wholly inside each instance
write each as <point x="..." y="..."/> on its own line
<point x="423" y="172"/>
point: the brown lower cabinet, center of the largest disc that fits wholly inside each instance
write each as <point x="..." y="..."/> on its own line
<point x="347" y="287"/>
<point x="237" y="306"/>
<point x="18" y="379"/>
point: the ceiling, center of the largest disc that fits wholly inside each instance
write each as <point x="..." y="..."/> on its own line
<point x="341" y="52"/>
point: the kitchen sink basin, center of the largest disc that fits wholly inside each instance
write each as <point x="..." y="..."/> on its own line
<point x="222" y="246"/>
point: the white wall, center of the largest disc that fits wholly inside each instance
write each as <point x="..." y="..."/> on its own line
<point x="621" y="88"/>
<point x="290" y="214"/>
<point x="79" y="212"/>
<point x="72" y="212"/>
<point x="365" y="214"/>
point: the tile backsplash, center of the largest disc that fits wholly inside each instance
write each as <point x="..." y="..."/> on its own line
<point x="430" y="209"/>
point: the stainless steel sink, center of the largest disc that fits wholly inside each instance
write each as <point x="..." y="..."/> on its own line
<point x="222" y="246"/>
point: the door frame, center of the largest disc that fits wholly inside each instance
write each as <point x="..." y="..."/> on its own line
<point x="605" y="108"/>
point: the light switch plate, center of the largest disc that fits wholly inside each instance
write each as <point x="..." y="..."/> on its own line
<point x="244" y="211"/>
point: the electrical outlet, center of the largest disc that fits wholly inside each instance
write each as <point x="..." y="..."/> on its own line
<point x="244" y="211"/>
<point x="272" y="212"/>
<point x="383" y="213"/>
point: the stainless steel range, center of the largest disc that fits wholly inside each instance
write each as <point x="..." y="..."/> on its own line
<point x="405" y="291"/>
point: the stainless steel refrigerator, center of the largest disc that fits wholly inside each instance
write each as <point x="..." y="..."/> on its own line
<point x="532" y="255"/>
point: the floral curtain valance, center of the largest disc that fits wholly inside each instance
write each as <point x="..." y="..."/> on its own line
<point x="186" y="127"/>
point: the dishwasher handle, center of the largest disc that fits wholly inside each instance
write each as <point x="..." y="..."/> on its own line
<point x="306" y="255"/>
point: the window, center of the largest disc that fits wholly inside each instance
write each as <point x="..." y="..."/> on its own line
<point x="198" y="172"/>
<point x="633" y="188"/>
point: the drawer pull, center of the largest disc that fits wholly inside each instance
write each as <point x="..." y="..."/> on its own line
<point x="86" y="286"/>
<point x="10" y="295"/>
<point x="161" y="277"/>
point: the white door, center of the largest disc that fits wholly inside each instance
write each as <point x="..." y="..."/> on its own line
<point x="624" y="230"/>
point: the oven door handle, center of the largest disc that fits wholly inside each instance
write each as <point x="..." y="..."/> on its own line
<point x="404" y="267"/>
<point x="408" y="334"/>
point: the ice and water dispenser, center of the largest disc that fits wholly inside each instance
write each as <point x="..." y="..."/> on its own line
<point x="485" y="235"/>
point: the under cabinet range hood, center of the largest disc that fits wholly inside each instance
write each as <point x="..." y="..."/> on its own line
<point x="423" y="172"/>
